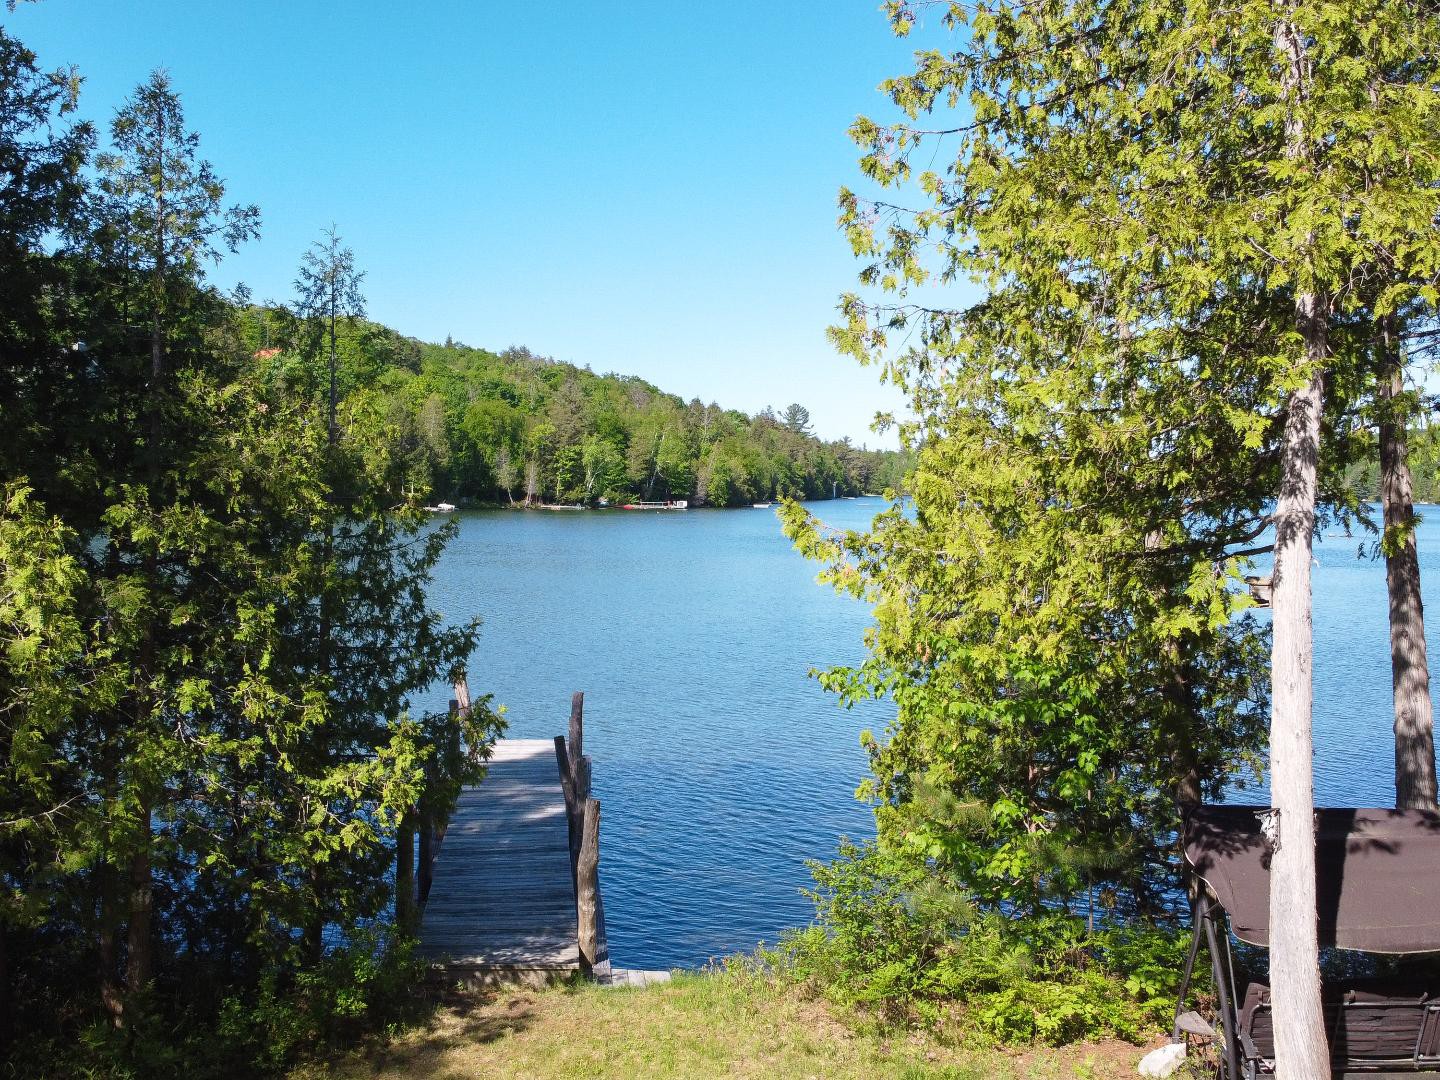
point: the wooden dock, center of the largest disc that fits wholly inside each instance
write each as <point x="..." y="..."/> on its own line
<point x="508" y="883"/>
<point x="502" y="897"/>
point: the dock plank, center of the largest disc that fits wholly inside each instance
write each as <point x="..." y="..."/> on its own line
<point x="502" y="896"/>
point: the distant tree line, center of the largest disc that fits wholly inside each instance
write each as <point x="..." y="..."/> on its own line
<point x="1364" y="477"/>
<point x="517" y="428"/>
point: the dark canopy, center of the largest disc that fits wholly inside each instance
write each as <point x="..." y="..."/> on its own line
<point x="1377" y="875"/>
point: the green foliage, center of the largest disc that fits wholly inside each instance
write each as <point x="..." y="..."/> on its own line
<point x="219" y="1029"/>
<point x="1139" y="193"/>
<point x="901" y="940"/>
<point x="213" y="609"/>
<point x="363" y="986"/>
<point x="514" y="426"/>
<point x="1363" y="477"/>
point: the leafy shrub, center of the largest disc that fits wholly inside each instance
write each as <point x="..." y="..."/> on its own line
<point x="286" y="1016"/>
<point x="364" y="986"/>
<point x="893" y="937"/>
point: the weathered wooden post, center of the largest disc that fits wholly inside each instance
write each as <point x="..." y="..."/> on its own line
<point x="587" y="887"/>
<point x="576" y="742"/>
<point x="572" y="807"/>
<point x="581" y="781"/>
<point x="578" y="788"/>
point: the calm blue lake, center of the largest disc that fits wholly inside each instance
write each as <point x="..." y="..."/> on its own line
<point x="1354" y="711"/>
<point x="721" y="765"/>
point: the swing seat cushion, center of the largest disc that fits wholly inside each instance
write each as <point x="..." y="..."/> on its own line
<point x="1371" y="1024"/>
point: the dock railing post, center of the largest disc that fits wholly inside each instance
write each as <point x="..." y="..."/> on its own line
<point x="572" y="806"/>
<point x="575" y="744"/>
<point x="581" y="783"/>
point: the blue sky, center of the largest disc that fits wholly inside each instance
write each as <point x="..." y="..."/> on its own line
<point x="643" y="187"/>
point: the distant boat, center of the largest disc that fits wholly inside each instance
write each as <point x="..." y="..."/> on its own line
<point x="562" y="506"/>
<point x="873" y="495"/>
<point x="678" y="504"/>
<point x="761" y="506"/>
<point x="440" y="508"/>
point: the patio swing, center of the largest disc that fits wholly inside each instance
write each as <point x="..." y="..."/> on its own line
<point x="1378" y="892"/>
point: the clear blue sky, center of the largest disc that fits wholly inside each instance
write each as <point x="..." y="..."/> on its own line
<point x="643" y="187"/>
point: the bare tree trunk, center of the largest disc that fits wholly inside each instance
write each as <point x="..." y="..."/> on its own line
<point x="1300" y="1048"/>
<point x="111" y="995"/>
<point x="1182" y="720"/>
<point x="1409" y="664"/>
<point x="405" y="873"/>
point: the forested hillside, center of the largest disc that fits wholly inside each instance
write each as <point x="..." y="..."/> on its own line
<point x="517" y="428"/>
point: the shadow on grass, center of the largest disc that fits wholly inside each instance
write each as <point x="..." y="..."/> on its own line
<point x="449" y="1017"/>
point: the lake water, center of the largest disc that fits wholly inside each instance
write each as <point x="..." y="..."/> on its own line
<point x="721" y="765"/>
<point x="1354" y="711"/>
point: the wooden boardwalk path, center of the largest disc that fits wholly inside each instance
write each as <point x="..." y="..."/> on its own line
<point x="502" y="899"/>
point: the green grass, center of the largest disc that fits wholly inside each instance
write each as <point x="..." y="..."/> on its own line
<point x="728" y="1023"/>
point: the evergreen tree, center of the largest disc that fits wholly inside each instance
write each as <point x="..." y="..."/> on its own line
<point x="328" y="291"/>
<point x="1165" y="206"/>
<point x="797" y="419"/>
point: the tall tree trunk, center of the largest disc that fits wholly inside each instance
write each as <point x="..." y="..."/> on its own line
<point x="1301" y="1050"/>
<point x="1182" y="720"/>
<point x="1409" y="664"/>
<point x="111" y="995"/>
<point x="1300" y="1047"/>
<point x="139" y="943"/>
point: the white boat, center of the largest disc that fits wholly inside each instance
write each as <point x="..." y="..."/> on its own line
<point x="440" y="508"/>
<point x="761" y="506"/>
<point x="678" y="504"/>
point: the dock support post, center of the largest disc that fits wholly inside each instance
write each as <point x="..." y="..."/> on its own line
<point x="587" y="886"/>
<point x="582" y="815"/>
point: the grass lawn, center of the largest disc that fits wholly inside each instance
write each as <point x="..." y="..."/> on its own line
<point x="722" y="1024"/>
